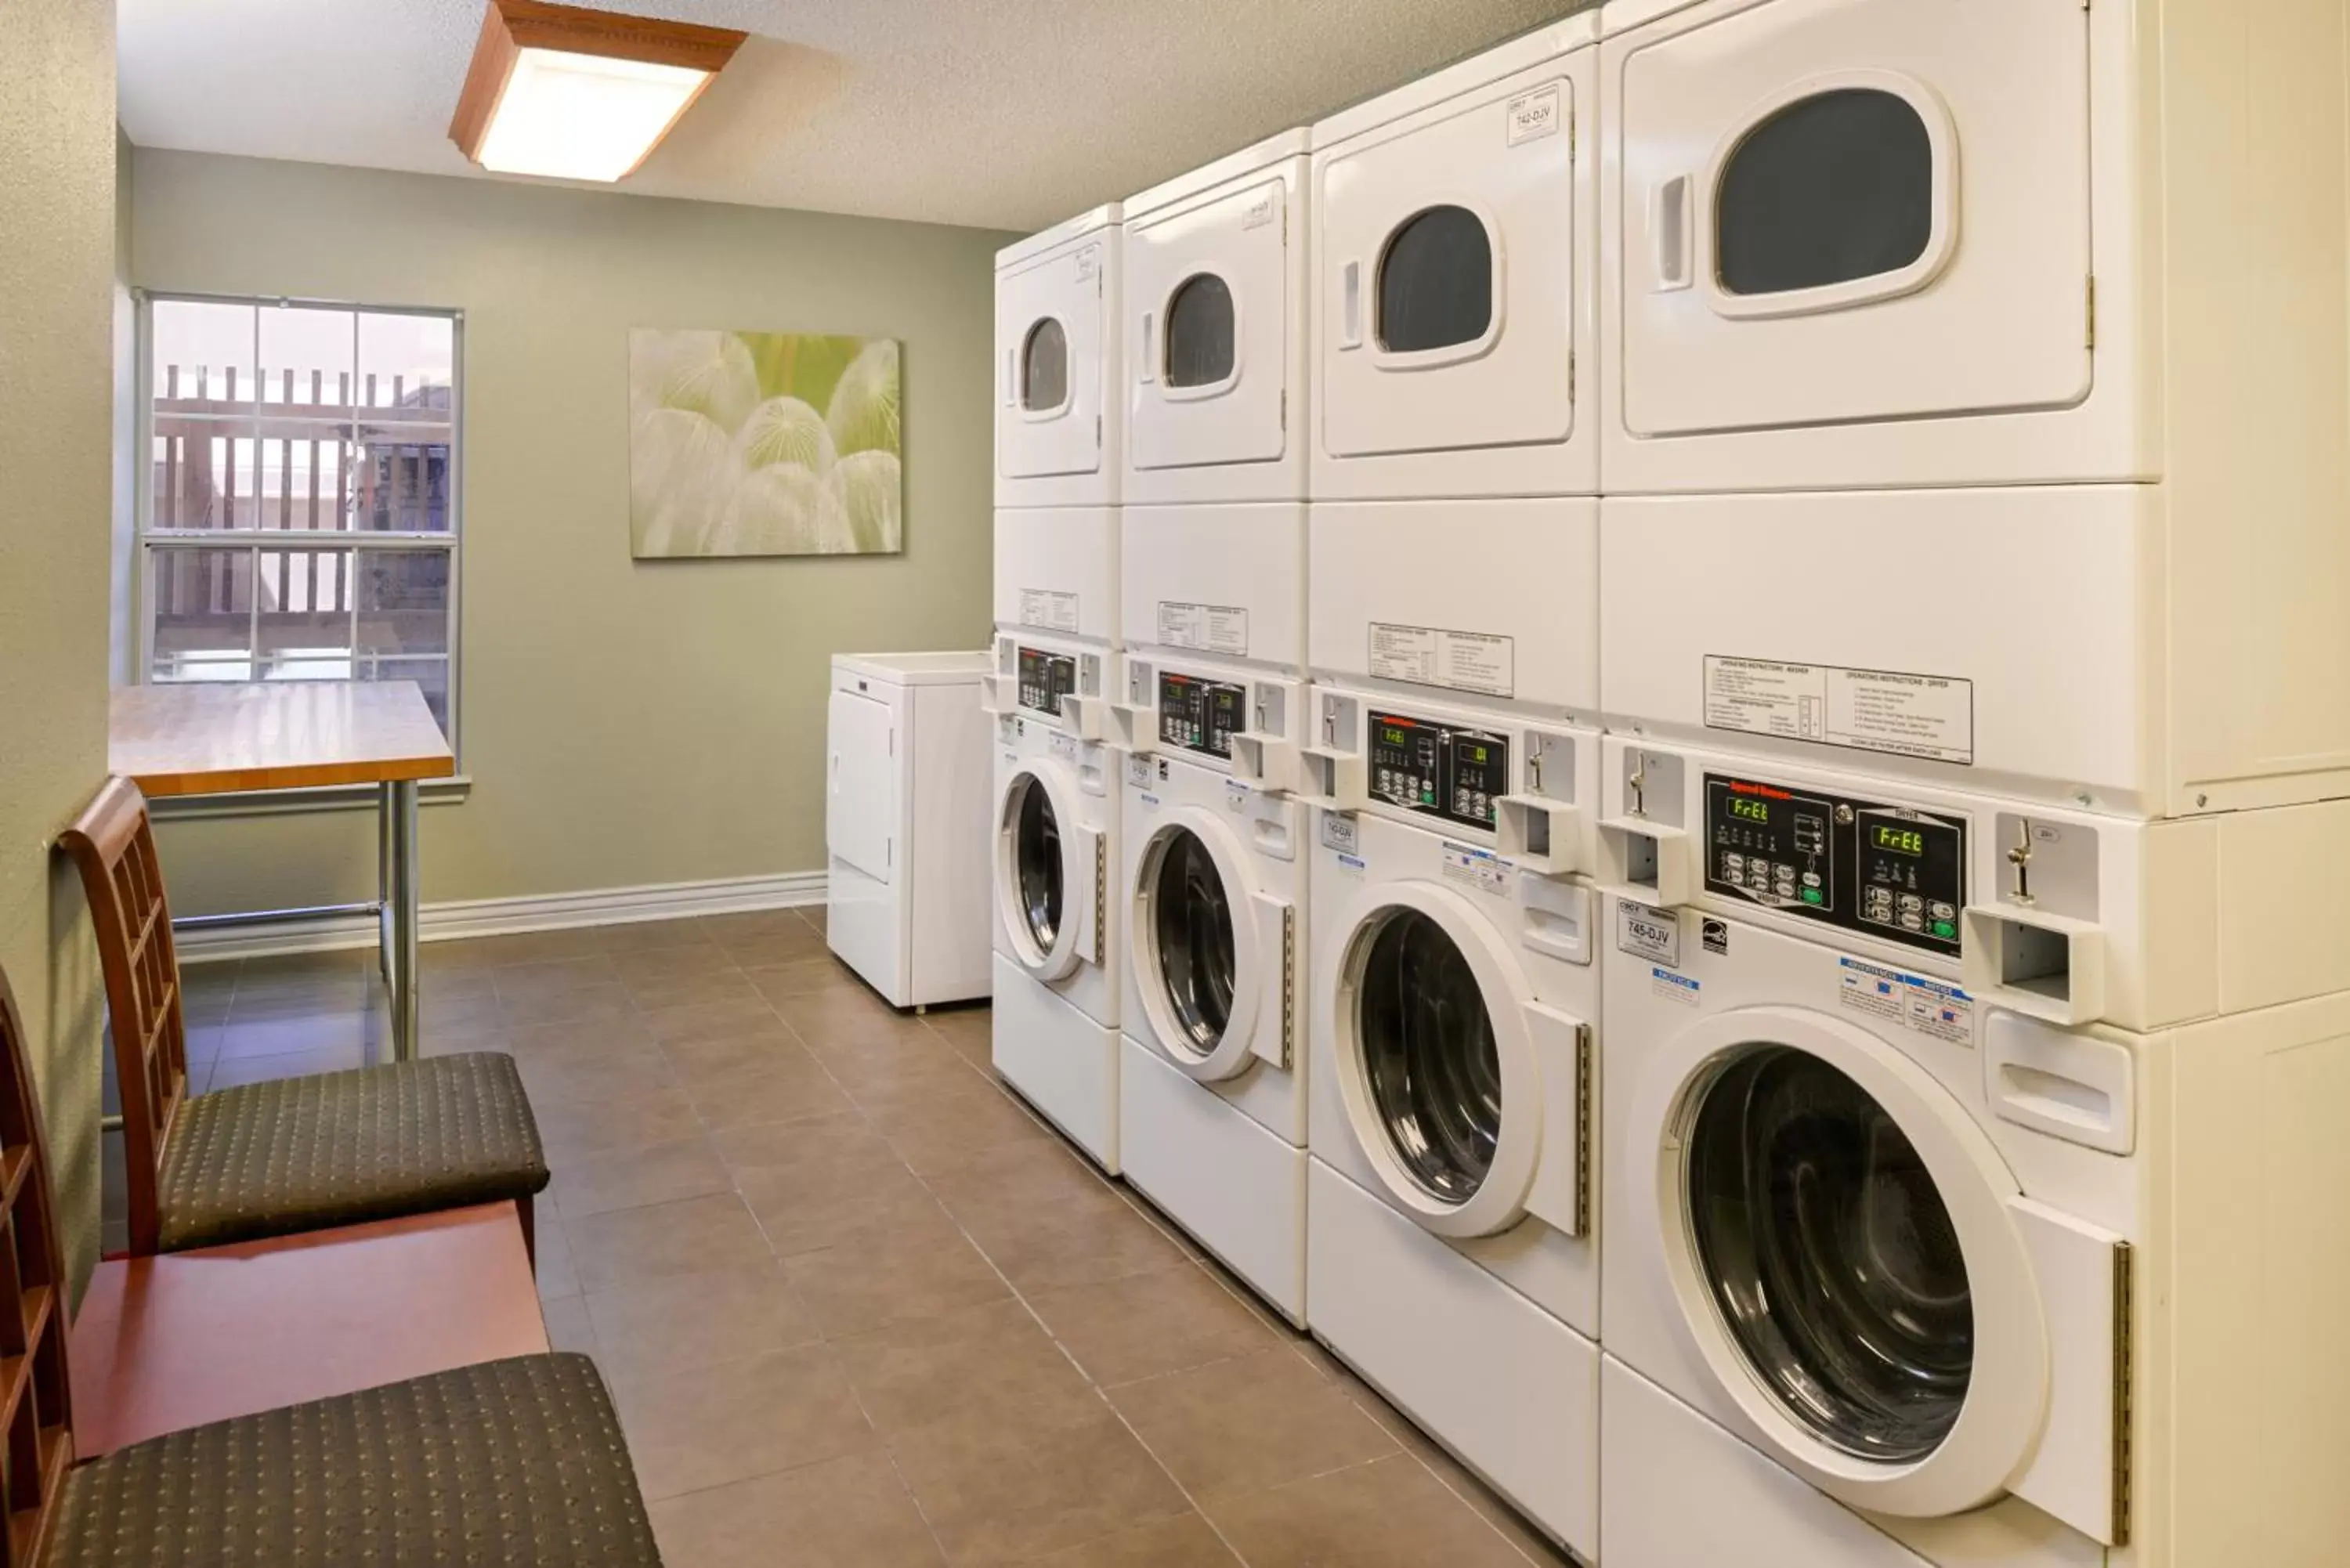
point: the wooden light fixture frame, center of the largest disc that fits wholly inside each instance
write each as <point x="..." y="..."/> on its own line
<point x="510" y="26"/>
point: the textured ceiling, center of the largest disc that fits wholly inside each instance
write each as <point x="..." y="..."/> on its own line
<point x="1002" y="113"/>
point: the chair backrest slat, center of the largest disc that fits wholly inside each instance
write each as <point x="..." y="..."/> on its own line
<point x="36" y="1387"/>
<point x="113" y="844"/>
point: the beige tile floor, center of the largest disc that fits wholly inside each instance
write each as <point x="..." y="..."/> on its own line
<point x="857" y="1306"/>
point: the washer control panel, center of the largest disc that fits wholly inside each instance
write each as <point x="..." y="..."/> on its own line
<point x="1200" y="715"/>
<point x="1044" y="679"/>
<point x="1439" y="770"/>
<point x="1878" y="868"/>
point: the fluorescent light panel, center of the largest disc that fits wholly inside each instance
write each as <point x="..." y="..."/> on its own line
<point x="583" y="116"/>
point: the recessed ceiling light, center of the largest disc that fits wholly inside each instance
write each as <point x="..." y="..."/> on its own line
<point x="575" y="94"/>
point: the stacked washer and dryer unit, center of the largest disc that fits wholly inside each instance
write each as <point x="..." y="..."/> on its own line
<point x="1975" y="404"/>
<point x="1820" y="710"/>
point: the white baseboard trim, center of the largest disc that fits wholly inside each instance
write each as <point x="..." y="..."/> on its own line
<point x="504" y="917"/>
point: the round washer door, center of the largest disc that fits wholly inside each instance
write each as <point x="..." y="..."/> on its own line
<point x="1436" y="1059"/>
<point x="1043" y="889"/>
<point x="1837" y="1230"/>
<point x="1195" y="932"/>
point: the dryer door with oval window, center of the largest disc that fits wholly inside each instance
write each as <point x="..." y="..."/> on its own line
<point x="1209" y="324"/>
<point x="1049" y="335"/>
<point x="1448" y="264"/>
<point x="1462" y="1090"/>
<point x="1213" y="950"/>
<point x="1838" y="210"/>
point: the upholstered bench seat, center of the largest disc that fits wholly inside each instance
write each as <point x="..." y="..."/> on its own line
<point x="510" y="1464"/>
<point x="342" y="1148"/>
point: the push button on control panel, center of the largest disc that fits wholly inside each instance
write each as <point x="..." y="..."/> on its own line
<point x="1200" y="715"/>
<point x="1045" y="679"/>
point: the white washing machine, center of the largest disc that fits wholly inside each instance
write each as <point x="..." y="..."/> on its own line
<point x="1878" y="244"/>
<point x="1456" y="249"/>
<point x="1450" y="1251"/>
<point x="1215" y="277"/>
<point x="1881" y="1240"/>
<point x="1058" y="915"/>
<point x="1058" y="430"/>
<point x="1767" y="929"/>
<point x="1212" y="1091"/>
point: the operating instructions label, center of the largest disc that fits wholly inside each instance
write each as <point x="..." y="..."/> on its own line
<point x="1931" y="1007"/>
<point x="1430" y="656"/>
<point x="1929" y="716"/>
<point x="1048" y="609"/>
<point x="1207" y="629"/>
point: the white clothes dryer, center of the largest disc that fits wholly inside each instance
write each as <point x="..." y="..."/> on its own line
<point x="1215" y="276"/>
<point x="1211" y="1092"/>
<point x="1839" y="1243"/>
<point x="1058" y="425"/>
<point x="1456" y="250"/>
<point x="1058" y="920"/>
<point x="1451" y="1257"/>
<point x="1874" y="243"/>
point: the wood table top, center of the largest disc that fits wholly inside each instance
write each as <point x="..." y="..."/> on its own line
<point x="166" y="1343"/>
<point x="209" y="738"/>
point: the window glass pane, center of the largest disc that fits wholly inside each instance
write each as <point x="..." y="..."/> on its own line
<point x="400" y="482"/>
<point x="1832" y="188"/>
<point x="202" y="363"/>
<point x="1200" y="332"/>
<point x="1436" y="282"/>
<point x="407" y="363"/>
<point x="434" y="675"/>
<point x="306" y="355"/>
<point x="403" y="601"/>
<point x="306" y="612"/>
<point x="204" y="614"/>
<point x="1044" y="367"/>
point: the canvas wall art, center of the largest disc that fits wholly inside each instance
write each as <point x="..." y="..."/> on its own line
<point x="762" y="443"/>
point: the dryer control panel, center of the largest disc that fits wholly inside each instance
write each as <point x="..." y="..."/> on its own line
<point x="1878" y="868"/>
<point x="1439" y="770"/>
<point x="1200" y="715"/>
<point x="1045" y="679"/>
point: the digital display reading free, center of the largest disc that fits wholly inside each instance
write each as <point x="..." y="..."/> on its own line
<point x="1434" y="769"/>
<point x="1878" y="868"/>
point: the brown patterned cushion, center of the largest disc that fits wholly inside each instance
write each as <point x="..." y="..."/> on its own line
<point x="514" y="1464"/>
<point x="339" y="1148"/>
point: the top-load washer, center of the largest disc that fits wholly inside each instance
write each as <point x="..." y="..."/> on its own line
<point x="1057" y="423"/>
<point x="1214" y="273"/>
<point x="1878" y="244"/>
<point x="1456" y="254"/>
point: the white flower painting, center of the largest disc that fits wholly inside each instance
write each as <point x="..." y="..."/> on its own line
<point x="762" y="443"/>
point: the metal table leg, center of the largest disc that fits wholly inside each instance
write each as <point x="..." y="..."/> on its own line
<point x="399" y="811"/>
<point x="384" y="811"/>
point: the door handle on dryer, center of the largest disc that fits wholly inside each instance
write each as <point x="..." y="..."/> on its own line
<point x="1350" y="306"/>
<point x="1668" y="228"/>
<point x="1011" y="377"/>
<point x="1148" y="370"/>
<point x="1274" y="1039"/>
<point x="1091" y="851"/>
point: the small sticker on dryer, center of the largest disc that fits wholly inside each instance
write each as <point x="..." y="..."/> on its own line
<point x="1933" y="1008"/>
<point x="1714" y="935"/>
<point x="1674" y="987"/>
<point x="1480" y="869"/>
<point x="1533" y="116"/>
<point x="1088" y="262"/>
<point x="1338" y="833"/>
<point x="1065" y="744"/>
<point x="1261" y="210"/>
<point x="1430" y="656"/>
<point x="1049" y="609"/>
<point x="1138" y="771"/>
<point x="1647" y="932"/>
<point x="1205" y="628"/>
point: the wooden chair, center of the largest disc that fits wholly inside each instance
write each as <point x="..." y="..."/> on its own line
<point x="290" y="1155"/>
<point x="512" y="1462"/>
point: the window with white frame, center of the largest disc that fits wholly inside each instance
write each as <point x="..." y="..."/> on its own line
<point x="298" y="518"/>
